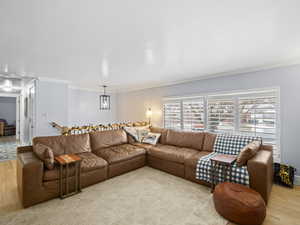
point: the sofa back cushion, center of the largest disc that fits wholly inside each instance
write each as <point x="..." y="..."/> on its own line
<point x="78" y="143"/>
<point x="163" y="132"/>
<point x="209" y="141"/>
<point x="186" y="139"/>
<point x="104" y="139"/>
<point x="66" y="144"/>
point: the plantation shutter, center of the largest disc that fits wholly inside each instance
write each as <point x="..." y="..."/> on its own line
<point x="251" y="113"/>
<point x="258" y="116"/>
<point x="221" y="115"/>
<point x="172" y="115"/>
<point x="193" y="114"/>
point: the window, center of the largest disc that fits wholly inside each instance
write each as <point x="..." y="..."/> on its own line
<point x="253" y="113"/>
<point x="172" y="115"/>
<point x="258" y="116"/>
<point x="193" y="114"/>
<point x="187" y="114"/>
<point x="221" y="115"/>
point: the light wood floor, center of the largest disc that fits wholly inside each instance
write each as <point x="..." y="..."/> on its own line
<point x="283" y="207"/>
<point x="7" y="138"/>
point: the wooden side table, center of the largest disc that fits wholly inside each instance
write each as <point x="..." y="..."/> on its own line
<point x="64" y="162"/>
<point x="226" y="161"/>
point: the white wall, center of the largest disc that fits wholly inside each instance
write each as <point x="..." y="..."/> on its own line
<point x="8" y="109"/>
<point x="51" y="105"/>
<point x="132" y="106"/>
<point x="57" y="102"/>
<point x="84" y="108"/>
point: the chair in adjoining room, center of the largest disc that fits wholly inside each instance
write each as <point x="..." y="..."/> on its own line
<point x="6" y="129"/>
<point x="1" y="128"/>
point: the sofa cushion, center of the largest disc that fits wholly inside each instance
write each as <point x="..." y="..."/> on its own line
<point x="56" y="143"/>
<point x="171" y="153"/>
<point x="71" y="144"/>
<point x="142" y="145"/>
<point x="105" y="139"/>
<point x="163" y="132"/>
<point x="186" y="139"/>
<point x="192" y="160"/>
<point x="120" y="153"/>
<point x="209" y="141"/>
<point x="78" y="143"/>
<point x="89" y="162"/>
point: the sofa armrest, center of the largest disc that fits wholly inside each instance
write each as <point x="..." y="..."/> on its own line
<point x="30" y="172"/>
<point x="260" y="169"/>
<point x="23" y="149"/>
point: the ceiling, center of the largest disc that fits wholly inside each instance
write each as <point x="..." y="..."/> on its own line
<point x="130" y="44"/>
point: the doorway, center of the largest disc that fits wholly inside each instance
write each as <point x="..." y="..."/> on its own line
<point x="9" y="126"/>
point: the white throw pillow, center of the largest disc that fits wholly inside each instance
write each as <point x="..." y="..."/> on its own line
<point x="138" y="133"/>
<point x="151" y="138"/>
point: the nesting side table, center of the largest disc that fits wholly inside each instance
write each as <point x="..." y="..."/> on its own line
<point x="65" y="161"/>
<point x="226" y="161"/>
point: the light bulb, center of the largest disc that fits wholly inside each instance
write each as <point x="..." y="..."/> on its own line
<point x="7" y="86"/>
<point x="149" y="113"/>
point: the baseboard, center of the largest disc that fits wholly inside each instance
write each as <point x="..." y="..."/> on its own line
<point x="297" y="180"/>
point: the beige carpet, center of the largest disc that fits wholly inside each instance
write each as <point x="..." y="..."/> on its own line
<point x="144" y="196"/>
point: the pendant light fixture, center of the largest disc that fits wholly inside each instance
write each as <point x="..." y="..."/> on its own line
<point x="104" y="100"/>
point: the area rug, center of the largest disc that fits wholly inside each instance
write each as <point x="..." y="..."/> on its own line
<point x="142" y="197"/>
<point x="8" y="149"/>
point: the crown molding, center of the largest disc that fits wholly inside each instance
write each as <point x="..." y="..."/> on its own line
<point x="196" y="77"/>
<point x="74" y="87"/>
<point x="48" y="79"/>
<point x="241" y="71"/>
<point x="100" y="90"/>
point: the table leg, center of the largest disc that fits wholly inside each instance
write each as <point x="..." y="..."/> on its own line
<point x="230" y="173"/>
<point x="213" y="176"/>
<point x="67" y="181"/>
<point x="223" y="167"/>
<point x="79" y="176"/>
<point x="76" y="176"/>
<point x="60" y="180"/>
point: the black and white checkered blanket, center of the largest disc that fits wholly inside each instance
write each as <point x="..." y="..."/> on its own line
<point x="225" y="144"/>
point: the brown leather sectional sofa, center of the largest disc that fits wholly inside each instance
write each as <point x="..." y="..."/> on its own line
<point x="107" y="154"/>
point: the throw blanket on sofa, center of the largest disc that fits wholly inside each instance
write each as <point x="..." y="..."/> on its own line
<point x="225" y="144"/>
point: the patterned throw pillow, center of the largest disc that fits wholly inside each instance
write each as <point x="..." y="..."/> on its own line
<point x="45" y="154"/>
<point x="138" y="133"/>
<point x="247" y="153"/>
<point x="151" y="138"/>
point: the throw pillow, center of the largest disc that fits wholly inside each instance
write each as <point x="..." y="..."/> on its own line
<point x="131" y="131"/>
<point x="142" y="133"/>
<point x="151" y="138"/>
<point x="138" y="133"/>
<point x="248" y="152"/>
<point x="45" y="154"/>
